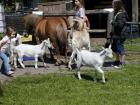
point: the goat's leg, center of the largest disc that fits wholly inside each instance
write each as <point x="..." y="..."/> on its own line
<point x="102" y="72"/>
<point x="89" y="47"/>
<point x="36" y="60"/>
<point x="79" y="63"/>
<point x="20" y="61"/>
<point x="15" y="61"/>
<point x="70" y="61"/>
<point x="78" y="74"/>
<point x="45" y="65"/>
<point x="95" y="77"/>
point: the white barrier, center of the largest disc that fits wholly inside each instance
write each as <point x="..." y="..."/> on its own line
<point x="2" y="19"/>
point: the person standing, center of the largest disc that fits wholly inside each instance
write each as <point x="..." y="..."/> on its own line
<point x="118" y="36"/>
<point x="80" y="12"/>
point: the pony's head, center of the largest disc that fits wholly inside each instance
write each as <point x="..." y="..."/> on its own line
<point x="78" y="24"/>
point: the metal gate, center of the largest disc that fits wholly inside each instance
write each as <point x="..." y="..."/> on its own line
<point x="15" y="20"/>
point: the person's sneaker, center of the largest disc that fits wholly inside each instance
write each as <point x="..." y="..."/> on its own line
<point x="13" y="69"/>
<point x="115" y="63"/>
<point x="120" y="65"/>
<point x="9" y="73"/>
<point x="117" y="66"/>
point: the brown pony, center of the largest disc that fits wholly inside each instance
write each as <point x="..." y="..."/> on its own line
<point x="52" y="27"/>
<point x="30" y="22"/>
<point x="55" y="29"/>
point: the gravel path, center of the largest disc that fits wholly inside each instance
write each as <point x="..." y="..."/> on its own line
<point x="51" y="67"/>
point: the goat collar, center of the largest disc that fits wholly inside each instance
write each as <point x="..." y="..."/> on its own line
<point x="102" y="53"/>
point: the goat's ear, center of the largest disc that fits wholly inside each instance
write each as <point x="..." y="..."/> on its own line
<point x="103" y="48"/>
<point x="109" y="46"/>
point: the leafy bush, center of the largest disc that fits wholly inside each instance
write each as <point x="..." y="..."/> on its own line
<point x="1" y="35"/>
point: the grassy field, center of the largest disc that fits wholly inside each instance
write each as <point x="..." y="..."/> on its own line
<point x="122" y="87"/>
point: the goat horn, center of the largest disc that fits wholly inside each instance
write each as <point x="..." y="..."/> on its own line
<point x="109" y="46"/>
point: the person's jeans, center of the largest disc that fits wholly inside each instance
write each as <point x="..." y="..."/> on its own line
<point x="5" y="67"/>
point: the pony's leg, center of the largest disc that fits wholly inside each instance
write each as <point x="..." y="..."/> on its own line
<point x="66" y="52"/>
<point x="34" y="39"/>
<point x="58" y="61"/>
<point x="51" y="53"/>
<point x="102" y="72"/>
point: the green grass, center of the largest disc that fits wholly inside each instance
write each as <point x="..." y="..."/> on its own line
<point x="133" y="50"/>
<point x="134" y="46"/>
<point x="122" y="88"/>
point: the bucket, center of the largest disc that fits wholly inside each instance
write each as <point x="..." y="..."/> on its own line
<point x="25" y="58"/>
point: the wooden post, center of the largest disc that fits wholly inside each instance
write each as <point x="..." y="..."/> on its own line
<point x="135" y="10"/>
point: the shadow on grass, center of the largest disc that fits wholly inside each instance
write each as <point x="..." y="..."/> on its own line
<point x="90" y="78"/>
<point x="108" y="64"/>
<point x="1" y="90"/>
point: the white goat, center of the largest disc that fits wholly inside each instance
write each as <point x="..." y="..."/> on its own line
<point x="31" y="51"/>
<point x="92" y="59"/>
<point x="80" y="39"/>
<point x="15" y="42"/>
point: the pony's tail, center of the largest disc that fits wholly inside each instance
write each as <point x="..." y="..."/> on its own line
<point x="62" y="36"/>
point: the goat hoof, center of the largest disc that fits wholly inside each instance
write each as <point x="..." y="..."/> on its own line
<point x="69" y="68"/>
<point x="57" y="64"/>
<point x="45" y="65"/>
<point x="95" y="81"/>
<point x="23" y="67"/>
<point x="80" y="78"/>
<point x="103" y="82"/>
<point x="36" y="67"/>
<point x="15" y="67"/>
